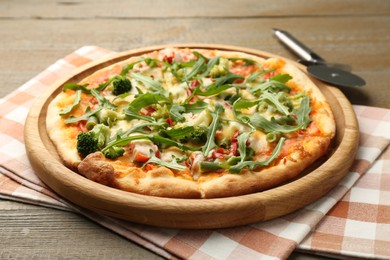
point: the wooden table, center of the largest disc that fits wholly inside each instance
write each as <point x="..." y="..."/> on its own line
<point x="35" y="34"/>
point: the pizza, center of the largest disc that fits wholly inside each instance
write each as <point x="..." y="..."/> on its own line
<point x="192" y="123"/>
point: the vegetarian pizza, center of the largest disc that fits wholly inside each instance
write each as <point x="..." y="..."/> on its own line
<point x="191" y="123"/>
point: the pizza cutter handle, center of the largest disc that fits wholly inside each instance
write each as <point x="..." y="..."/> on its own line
<point x="308" y="56"/>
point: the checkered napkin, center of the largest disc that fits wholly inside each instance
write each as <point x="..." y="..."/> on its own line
<point x="352" y="220"/>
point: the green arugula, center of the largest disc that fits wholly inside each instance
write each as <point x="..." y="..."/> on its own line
<point x="270" y="85"/>
<point x="253" y="164"/>
<point x="196" y="107"/>
<point x="176" y="113"/>
<point x="133" y="114"/>
<point x="172" y="164"/>
<point x="252" y="77"/>
<point x="76" y="102"/>
<point x="206" y="166"/>
<point x="210" y="64"/>
<point x="197" y="68"/>
<point x="88" y="113"/>
<point x="267" y="96"/>
<point x="149" y="83"/>
<point x="74" y="86"/>
<point x="103" y="102"/>
<point x="215" y="124"/>
<point x="269" y="126"/>
<point x="282" y="78"/>
<point x="242" y="140"/>
<point x="147" y="99"/>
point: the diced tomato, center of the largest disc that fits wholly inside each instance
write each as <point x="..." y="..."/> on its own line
<point x="140" y="157"/>
<point x="222" y="150"/>
<point x="234" y="148"/>
<point x="168" y="59"/>
<point x="147" y="111"/>
<point x="149" y="167"/>
<point x="169" y="121"/>
<point x="189" y="93"/>
<point x="216" y="155"/>
<point x="81" y="125"/>
<point x="194" y="84"/>
<point x="234" y="143"/>
<point x="269" y="74"/>
<point x="234" y="137"/>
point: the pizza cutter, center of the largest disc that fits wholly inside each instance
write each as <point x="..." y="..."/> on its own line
<point x="316" y="66"/>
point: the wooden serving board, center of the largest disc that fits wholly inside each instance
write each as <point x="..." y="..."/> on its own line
<point x="191" y="213"/>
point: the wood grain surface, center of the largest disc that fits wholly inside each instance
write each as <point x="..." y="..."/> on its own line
<point x="34" y="34"/>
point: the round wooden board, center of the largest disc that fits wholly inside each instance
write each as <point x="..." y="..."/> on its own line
<point x="190" y="213"/>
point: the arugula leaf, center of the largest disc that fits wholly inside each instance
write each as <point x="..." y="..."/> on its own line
<point x="140" y="128"/>
<point x="142" y="101"/>
<point x="271" y="85"/>
<point x="274" y="100"/>
<point x="212" y="90"/>
<point x="210" y="64"/>
<point x="252" y="77"/>
<point x="219" y="85"/>
<point x="196" y="107"/>
<point x="242" y="103"/>
<point x="226" y="79"/>
<point x="162" y="141"/>
<point x="103" y="102"/>
<point x="242" y="140"/>
<point x="145" y="100"/>
<point x="303" y="112"/>
<point x="119" y="141"/>
<point x="74" y="86"/>
<point x="269" y="126"/>
<point x="282" y="78"/>
<point x="215" y="124"/>
<point x="172" y="164"/>
<point x="246" y="60"/>
<point x="253" y="164"/>
<point x="179" y="133"/>
<point x="121" y="96"/>
<point x="176" y="113"/>
<point x="133" y="114"/>
<point x="87" y="114"/>
<point x="148" y="82"/>
<point x="272" y="125"/>
<point x="198" y="66"/>
<point x="129" y="67"/>
<point x="149" y="61"/>
<point x="76" y="102"/>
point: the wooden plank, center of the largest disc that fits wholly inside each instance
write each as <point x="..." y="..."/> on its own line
<point x="66" y="9"/>
<point x="40" y="233"/>
<point x="337" y="39"/>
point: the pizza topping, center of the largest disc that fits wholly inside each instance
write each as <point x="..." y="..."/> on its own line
<point x="92" y="141"/>
<point x="76" y="102"/>
<point x="213" y="110"/>
<point x="120" y="85"/>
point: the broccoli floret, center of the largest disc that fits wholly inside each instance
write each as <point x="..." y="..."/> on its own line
<point x="92" y="141"/>
<point x="86" y="143"/>
<point x="220" y="69"/>
<point x="114" y="152"/>
<point x="120" y="85"/>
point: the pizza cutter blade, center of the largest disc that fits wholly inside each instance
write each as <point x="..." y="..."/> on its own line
<point x="317" y="66"/>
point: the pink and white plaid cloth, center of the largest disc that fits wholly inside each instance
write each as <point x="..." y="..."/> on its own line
<point x="352" y="220"/>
